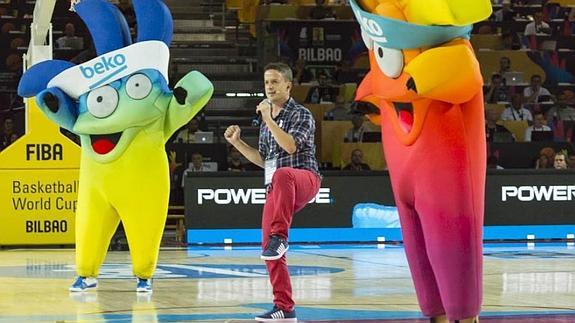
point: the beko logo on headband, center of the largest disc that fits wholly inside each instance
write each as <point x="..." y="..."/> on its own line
<point x="225" y="196"/>
<point x="105" y="64"/>
<point x="373" y="28"/>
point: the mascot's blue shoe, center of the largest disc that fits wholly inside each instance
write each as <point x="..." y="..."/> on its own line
<point x="83" y="283"/>
<point x="144" y="285"/>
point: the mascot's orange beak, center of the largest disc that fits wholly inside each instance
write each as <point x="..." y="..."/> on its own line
<point x="364" y="93"/>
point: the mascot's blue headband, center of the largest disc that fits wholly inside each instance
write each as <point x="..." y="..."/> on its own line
<point x="113" y="43"/>
<point x="393" y="33"/>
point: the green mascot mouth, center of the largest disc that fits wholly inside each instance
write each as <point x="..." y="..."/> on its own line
<point x="103" y="144"/>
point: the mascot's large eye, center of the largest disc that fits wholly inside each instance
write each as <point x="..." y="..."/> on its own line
<point x="102" y="101"/>
<point x="390" y="60"/>
<point x="138" y="86"/>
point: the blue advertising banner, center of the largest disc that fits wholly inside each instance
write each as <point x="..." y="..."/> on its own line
<point x="359" y="206"/>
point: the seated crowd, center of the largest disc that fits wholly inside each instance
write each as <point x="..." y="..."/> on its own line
<point x="521" y="105"/>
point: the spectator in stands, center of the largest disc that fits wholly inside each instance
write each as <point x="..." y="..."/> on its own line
<point x="301" y="74"/>
<point x="561" y="110"/>
<point x="535" y="92"/>
<point x="196" y="165"/>
<point x="14" y="63"/>
<point x="340" y="111"/>
<point x="506" y="13"/>
<point x="504" y="65"/>
<point x="568" y="97"/>
<point x="7" y="133"/>
<point x="321" y="11"/>
<point x="537" y="26"/>
<point x="356" y="161"/>
<point x="70" y="40"/>
<point x="493" y="131"/>
<point x="560" y="160"/>
<point x="538" y="125"/>
<point x="188" y="134"/>
<point x="509" y="41"/>
<point x="16" y="43"/>
<point x="324" y="92"/>
<point x="355" y="134"/>
<point x="571" y="161"/>
<point x="235" y="160"/>
<point x="493" y="162"/>
<point x="498" y="91"/>
<point x="5" y="39"/>
<point x="542" y="162"/>
<point x="549" y="152"/>
<point x="517" y="111"/>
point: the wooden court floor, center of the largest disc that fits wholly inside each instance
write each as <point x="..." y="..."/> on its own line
<point x="336" y="283"/>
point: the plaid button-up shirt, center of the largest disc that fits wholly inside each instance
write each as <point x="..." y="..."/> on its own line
<point x="298" y="121"/>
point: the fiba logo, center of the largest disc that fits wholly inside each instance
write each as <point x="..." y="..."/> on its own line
<point x="104" y="65"/>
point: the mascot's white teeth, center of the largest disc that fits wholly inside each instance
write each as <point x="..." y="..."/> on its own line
<point x="103" y="144"/>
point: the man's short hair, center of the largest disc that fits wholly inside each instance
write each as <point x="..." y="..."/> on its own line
<point x="564" y="153"/>
<point x="282" y="68"/>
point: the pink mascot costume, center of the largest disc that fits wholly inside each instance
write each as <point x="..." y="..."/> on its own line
<point x="426" y="82"/>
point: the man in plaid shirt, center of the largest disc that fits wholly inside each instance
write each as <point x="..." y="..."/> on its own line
<point x="287" y="153"/>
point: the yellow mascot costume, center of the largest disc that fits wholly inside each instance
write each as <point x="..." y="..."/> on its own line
<point x="120" y="105"/>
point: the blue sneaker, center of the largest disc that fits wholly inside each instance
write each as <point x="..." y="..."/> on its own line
<point x="83" y="283"/>
<point x="277" y="315"/>
<point x="275" y="248"/>
<point x="144" y="286"/>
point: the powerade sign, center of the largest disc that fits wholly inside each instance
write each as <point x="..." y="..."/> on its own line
<point x="224" y="200"/>
<point x="530" y="197"/>
<point x="554" y="193"/>
<point x="110" y="65"/>
<point x="512" y="197"/>
<point x="227" y="196"/>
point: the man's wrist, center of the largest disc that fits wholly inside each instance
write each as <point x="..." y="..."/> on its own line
<point x="269" y="120"/>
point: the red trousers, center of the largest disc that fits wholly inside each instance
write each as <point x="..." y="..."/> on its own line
<point x="291" y="189"/>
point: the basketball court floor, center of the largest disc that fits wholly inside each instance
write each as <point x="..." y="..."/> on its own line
<point x="332" y="283"/>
